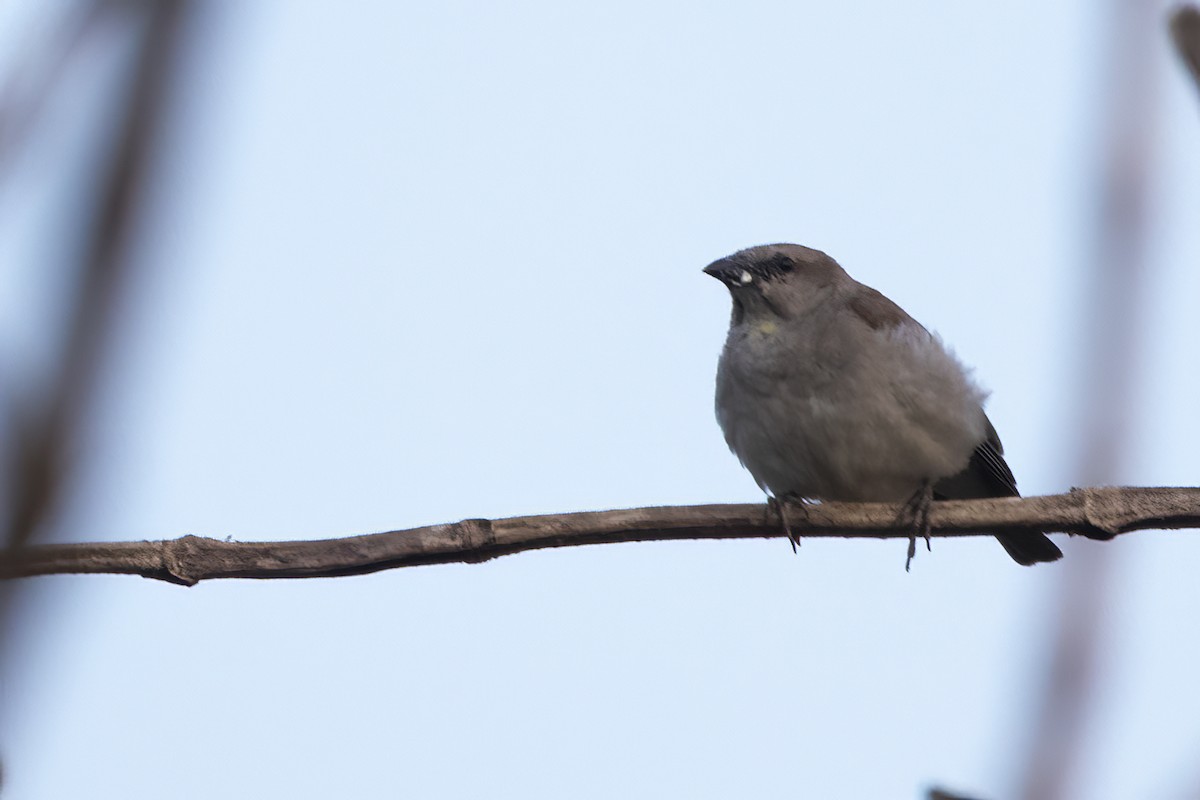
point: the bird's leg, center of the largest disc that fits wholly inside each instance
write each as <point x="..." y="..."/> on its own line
<point x="780" y="506"/>
<point x="917" y="509"/>
<point x="775" y="505"/>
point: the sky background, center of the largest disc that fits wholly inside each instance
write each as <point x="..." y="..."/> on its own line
<point x="415" y="263"/>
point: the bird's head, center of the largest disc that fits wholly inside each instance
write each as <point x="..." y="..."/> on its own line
<point x="783" y="280"/>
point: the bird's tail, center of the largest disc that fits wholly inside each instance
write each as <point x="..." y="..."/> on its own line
<point x="1029" y="546"/>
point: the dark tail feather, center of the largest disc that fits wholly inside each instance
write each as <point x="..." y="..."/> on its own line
<point x="1029" y="547"/>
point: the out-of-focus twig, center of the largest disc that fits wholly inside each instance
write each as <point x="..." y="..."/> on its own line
<point x="1185" y="32"/>
<point x="1096" y="513"/>
<point x="45" y="427"/>
<point x="1113" y="296"/>
<point x="37" y="78"/>
<point x="939" y="793"/>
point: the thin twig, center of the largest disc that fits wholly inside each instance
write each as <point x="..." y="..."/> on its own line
<point x="1096" y="513"/>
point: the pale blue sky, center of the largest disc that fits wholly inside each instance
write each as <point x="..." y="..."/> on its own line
<point x="413" y="265"/>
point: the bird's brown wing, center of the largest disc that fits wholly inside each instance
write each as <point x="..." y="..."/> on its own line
<point x="878" y="311"/>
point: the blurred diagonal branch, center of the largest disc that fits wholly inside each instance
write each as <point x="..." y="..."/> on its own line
<point x="45" y="426"/>
<point x="1185" y="31"/>
<point x="27" y="93"/>
<point x="1096" y="513"/>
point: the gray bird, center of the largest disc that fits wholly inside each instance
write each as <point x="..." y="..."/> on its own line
<point x="827" y="390"/>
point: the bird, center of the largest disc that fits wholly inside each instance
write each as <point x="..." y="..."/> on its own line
<point x="826" y="390"/>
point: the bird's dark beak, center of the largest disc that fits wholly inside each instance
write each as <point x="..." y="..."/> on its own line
<point x="729" y="273"/>
<point x="724" y="271"/>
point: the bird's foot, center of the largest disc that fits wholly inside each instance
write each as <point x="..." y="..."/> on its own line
<point x="780" y="505"/>
<point x="916" y="509"/>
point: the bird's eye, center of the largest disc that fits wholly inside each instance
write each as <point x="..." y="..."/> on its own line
<point x="745" y="278"/>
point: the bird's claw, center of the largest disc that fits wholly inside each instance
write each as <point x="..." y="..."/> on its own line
<point x="917" y="509"/>
<point x="780" y="506"/>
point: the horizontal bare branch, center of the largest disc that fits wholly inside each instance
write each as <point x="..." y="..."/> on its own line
<point x="1096" y="513"/>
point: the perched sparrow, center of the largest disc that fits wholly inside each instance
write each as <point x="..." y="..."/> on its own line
<point x="827" y="390"/>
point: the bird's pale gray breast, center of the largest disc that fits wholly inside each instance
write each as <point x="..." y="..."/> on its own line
<point x="826" y="406"/>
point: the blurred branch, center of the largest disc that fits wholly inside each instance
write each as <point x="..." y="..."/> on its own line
<point x="1185" y="31"/>
<point x="945" y="794"/>
<point x="1113" y="325"/>
<point x="1095" y="513"/>
<point x="44" y="428"/>
<point x="26" y="94"/>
